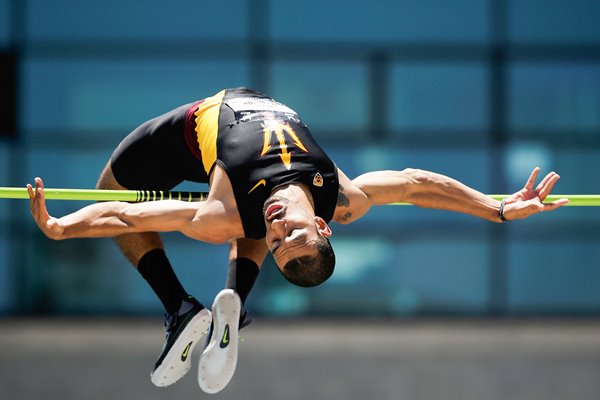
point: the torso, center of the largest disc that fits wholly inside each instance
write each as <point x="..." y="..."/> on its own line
<point x="259" y="144"/>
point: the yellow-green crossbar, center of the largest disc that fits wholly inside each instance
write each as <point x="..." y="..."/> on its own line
<point x="585" y="200"/>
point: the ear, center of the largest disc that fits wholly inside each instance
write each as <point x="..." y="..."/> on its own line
<point x="322" y="227"/>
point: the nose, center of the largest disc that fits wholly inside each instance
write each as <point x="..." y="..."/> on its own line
<point x="279" y="226"/>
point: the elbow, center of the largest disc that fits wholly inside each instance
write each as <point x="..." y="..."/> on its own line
<point x="213" y="238"/>
<point x="59" y="236"/>
<point x="221" y="239"/>
<point x="54" y="236"/>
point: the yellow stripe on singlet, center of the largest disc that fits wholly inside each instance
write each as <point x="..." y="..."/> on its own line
<point x="207" y="128"/>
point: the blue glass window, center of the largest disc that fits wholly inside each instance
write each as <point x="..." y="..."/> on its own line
<point x="390" y="20"/>
<point x="7" y="291"/>
<point x="109" y="272"/>
<point x="326" y="95"/>
<point x="439" y="96"/>
<point x="5" y="169"/>
<point x="388" y="276"/>
<point x="67" y="168"/>
<point x="136" y="19"/>
<point x="554" y="21"/>
<point x="571" y="162"/>
<point x="4" y="23"/>
<point x="468" y="166"/>
<point x="555" y="97"/>
<point x="117" y="95"/>
<point x="558" y="278"/>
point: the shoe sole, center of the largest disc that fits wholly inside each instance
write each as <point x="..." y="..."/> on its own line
<point x="219" y="360"/>
<point x="178" y="360"/>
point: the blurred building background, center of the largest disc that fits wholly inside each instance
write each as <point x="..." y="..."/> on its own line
<point x="481" y="90"/>
<point x="424" y="304"/>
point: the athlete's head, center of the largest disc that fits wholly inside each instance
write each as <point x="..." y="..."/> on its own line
<point x="299" y="242"/>
<point x="311" y="270"/>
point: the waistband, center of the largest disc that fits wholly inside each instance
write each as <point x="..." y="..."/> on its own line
<point x="190" y="130"/>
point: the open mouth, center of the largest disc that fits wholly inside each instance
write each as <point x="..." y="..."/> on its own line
<point x="273" y="211"/>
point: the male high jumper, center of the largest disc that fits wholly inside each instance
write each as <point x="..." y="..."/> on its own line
<point x="272" y="187"/>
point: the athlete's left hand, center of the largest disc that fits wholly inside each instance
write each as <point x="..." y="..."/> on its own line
<point x="529" y="201"/>
<point x="47" y="224"/>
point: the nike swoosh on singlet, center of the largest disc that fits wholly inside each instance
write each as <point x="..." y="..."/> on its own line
<point x="225" y="339"/>
<point x="186" y="352"/>
<point x="261" y="182"/>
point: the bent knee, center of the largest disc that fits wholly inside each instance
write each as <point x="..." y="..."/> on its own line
<point x="107" y="179"/>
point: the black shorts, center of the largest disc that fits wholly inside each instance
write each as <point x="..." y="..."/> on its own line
<point x="156" y="155"/>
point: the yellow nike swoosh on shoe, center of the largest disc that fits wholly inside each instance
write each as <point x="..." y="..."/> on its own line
<point x="259" y="183"/>
<point x="186" y="352"/>
<point x="225" y="340"/>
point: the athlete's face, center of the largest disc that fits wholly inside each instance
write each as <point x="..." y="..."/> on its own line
<point x="291" y="230"/>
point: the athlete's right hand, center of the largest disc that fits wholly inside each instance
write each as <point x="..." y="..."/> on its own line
<point x="48" y="224"/>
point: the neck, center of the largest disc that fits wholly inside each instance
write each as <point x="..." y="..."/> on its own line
<point x="297" y="193"/>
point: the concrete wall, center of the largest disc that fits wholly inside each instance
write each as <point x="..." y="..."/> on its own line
<point x="345" y="360"/>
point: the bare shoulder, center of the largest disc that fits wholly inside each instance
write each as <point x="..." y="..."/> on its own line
<point x="352" y="203"/>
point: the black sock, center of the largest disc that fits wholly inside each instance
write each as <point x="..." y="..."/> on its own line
<point x="155" y="268"/>
<point x="241" y="276"/>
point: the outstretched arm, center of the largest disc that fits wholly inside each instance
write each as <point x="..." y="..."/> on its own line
<point x="431" y="190"/>
<point x="114" y="218"/>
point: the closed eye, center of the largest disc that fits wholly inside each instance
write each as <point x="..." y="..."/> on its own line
<point x="300" y="238"/>
<point x="275" y="246"/>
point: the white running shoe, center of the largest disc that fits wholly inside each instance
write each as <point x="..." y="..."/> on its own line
<point x="219" y="359"/>
<point x="183" y="333"/>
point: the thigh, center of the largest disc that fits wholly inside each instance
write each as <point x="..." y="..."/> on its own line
<point x="154" y="156"/>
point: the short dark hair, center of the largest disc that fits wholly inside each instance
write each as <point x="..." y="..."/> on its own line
<point x="309" y="271"/>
